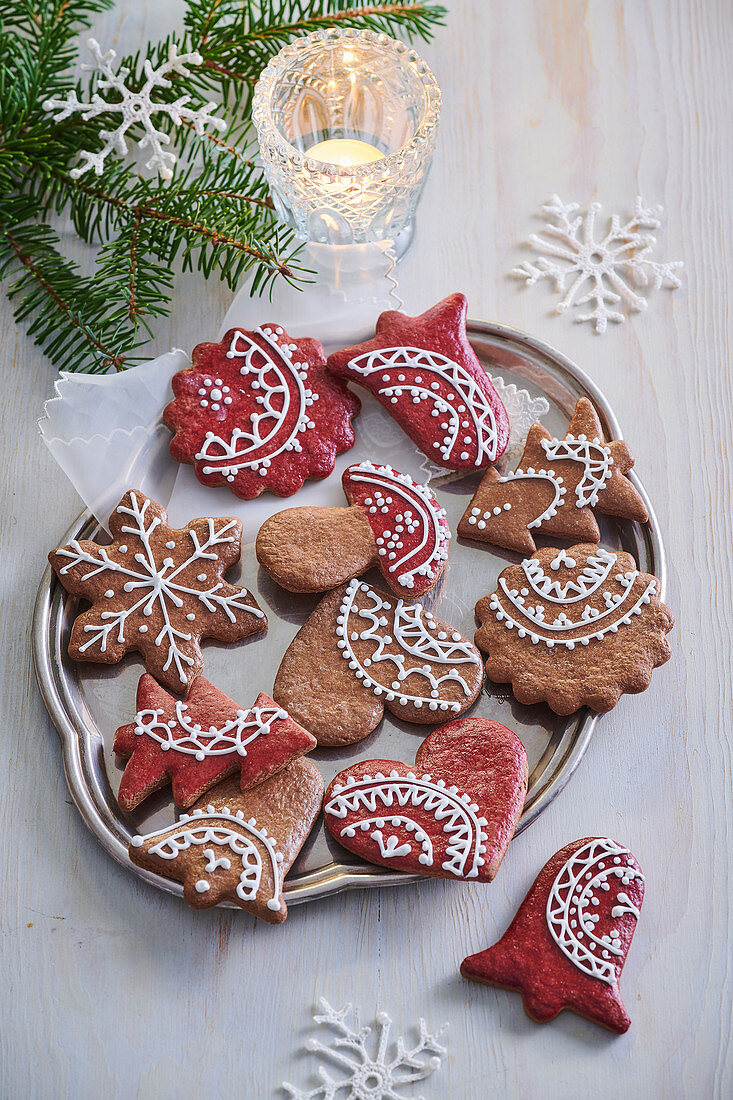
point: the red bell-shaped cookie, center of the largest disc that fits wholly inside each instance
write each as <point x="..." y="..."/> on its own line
<point x="567" y="945"/>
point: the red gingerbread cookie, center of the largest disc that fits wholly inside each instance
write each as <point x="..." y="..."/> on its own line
<point x="259" y="411"/>
<point x="426" y="374"/>
<point x="197" y="743"/>
<point x="238" y="846"/>
<point x="361" y="651"/>
<point x="567" y="945"/>
<point x="157" y="589"/>
<point x="393" y="522"/>
<point x="556" y="488"/>
<point x="573" y="628"/>
<point x="450" y="815"/>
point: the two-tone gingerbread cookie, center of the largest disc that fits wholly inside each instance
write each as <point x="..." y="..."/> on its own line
<point x="259" y="411"/>
<point x="568" y="943"/>
<point x="425" y="373"/>
<point x="361" y="651"/>
<point x="238" y="846"/>
<point x="197" y="743"/>
<point x="393" y="522"/>
<point x="157" y="589"/>
<point x="450" y="815"/>
<point x="573" y="628"/>
<point x="556" y="488"/>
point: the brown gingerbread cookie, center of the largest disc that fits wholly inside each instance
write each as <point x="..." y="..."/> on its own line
<point x="451" y="814"/>
<point x="361" y="651"/>
<point x="567" y="945"/>
<point x="237" y="846"/>
<point x="557" y="486"/>
<point x="573" y="628"/>
<point x="157" y="589"/>
<point x="393" y="522"/>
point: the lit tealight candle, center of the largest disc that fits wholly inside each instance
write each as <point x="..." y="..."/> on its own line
<point x="348" y="152"/>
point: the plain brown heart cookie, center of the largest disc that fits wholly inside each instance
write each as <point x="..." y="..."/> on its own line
<point x="450" y="815"/>
<point x="361" y="651"/>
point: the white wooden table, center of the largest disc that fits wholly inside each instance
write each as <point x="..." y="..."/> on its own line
<point x="112" y="989"/>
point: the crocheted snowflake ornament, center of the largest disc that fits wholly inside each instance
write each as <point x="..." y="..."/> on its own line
<point x="602" y="273"/>
<point x="135" y="107"/>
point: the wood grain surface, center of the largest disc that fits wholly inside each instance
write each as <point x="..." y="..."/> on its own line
<point x="111" y="988"/>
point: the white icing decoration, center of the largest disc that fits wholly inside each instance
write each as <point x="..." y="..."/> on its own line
<point x="411" y="632"/>
<point x="364" y="1075"/>
<point x="224" y="829"/>
<point x="530" y="619"/>
<point x="570" y="903"/>
<point x="596" y="459"/>
<point x="234" y="736"/>
<point x="462" y="387"/>
<point x="158" y="585"/>
<point x="457" y="813"/>
<point x="433" y="523"/>
<point x="541" y="475"/>
<point x="278" y="382"/>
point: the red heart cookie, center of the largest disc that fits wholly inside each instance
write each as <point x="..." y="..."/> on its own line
<point x="426" y="374"/>
<point x="197" y="743"/>
<point x="259" y="411"/>
<point x="238" y="846"/>
<point x="451" y="815"/>
<point x="567" y="945"/>
<point x="394" y="523"/>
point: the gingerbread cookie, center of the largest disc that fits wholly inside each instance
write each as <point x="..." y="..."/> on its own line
<point x="361" y="651"/>
<point x="451" y="815"/>
<point x="393" y="522"/>
<point x="567" y="945"/>
<point x="195" y="744"/>
<point x="577" y="627"/>
<point x="157" y="589"/>
<point x="426" y="374"/>
<point x="238" y="846"/>
<point x="556" y="488"/>
<point x="259" y="411"/>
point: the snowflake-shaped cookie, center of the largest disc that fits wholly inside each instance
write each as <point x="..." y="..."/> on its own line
<point x="381" y="1075"/>
<point x="573" y="628"/>
<point x="601" y="271"/>
<point x="258" y="411"/>
<point x="135" y="107"/>
<point x="158" y="590"/>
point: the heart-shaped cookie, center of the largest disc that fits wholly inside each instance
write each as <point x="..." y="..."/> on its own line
<point x="238" y="846"/>
<point x="567" y="945"/>
<point x="361" y="651"/>
<point x="450" y="815"/>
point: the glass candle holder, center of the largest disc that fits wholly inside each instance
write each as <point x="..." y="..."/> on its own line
<point x="346" y="122"/>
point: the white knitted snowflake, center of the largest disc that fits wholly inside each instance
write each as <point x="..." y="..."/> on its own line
<point x="367" y="1076"/>
<point x="135" y="107"/>
<point x="601" y="272"/>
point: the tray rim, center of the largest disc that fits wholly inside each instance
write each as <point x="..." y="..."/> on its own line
<point x="334" y="877"/>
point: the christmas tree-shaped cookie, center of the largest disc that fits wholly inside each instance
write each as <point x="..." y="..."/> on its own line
<point x="556" y="488"/>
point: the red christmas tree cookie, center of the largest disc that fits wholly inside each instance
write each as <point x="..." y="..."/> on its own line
<point x="393" y="522"/>
<point x="259" y="411"/>
<point x="450" y="815"/>
<point x="426" y="374"/>
<point x="196" y="743"/>
<point x="567" y="945"/>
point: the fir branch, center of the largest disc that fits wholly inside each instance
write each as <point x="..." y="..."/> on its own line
<point x="215" y="216"/>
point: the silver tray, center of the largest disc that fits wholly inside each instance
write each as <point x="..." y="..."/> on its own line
<point x="88" y="702"/>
